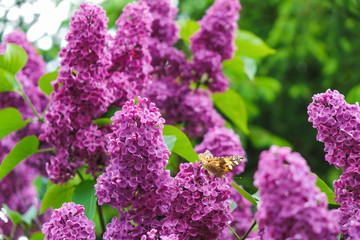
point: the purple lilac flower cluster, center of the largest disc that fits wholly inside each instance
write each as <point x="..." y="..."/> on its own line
<point x="130" y="56"/>
<point x="83" y="95"/>
<point x="136" y="175"/>
<point x="337" y="123"/>
<point x="201" y="209"/>
<point x="291" y="206"/>
<point x="214" y="43"/>
<point x="69" y="222"/>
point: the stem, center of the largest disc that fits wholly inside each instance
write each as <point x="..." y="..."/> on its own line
<point x="13" y="232"/>
<point x="101" y="217"/>
<point x="233" y="231"/>
<point x="47" y="107"/>
<point x="247" y="233"/>
<point x="22" y="93"/>
<point x="81" y="177"/>
<point x="46" y="150"/>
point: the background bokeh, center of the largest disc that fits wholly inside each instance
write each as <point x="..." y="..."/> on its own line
<point x="317" y="47"/>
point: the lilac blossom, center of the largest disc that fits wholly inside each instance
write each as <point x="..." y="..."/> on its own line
<point x="69" y="222"/>
<point x="138" y="156"/>
<point x="214" y="43"/>
<point x="337" y="123"/>
<point x="201" y="209"/>
<point x="131" y="59"/>
<point x="84" y="95"/>
<point x="136" y="175"/>
<point x="291" y="206"/>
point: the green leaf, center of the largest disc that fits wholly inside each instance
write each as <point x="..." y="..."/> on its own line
<point x="232" y="205"/>
<point x="250" y="67"/>
<point x="170" y="141"/>
<point x="245" y="194"/>
<point x="13" y="59"/>
<point x="37" y="236"/>
<point x="30" y="215"/>
<point x="56" y="195"/>
<point x="326" y="189"/>
<point x="231" y="104"/>
<point x="10" y="121"/>
<point x="250" y="45"/>
<point x="354" y="94"/>
<point x="45" y="82"/>
<point x="182" y="146"/>
<point x="263" y="139"/>
<point x="14" y="216"/>
<point x="187" y="29"/>
<point x="23" y="149"/>
<point x="40" y="184"/>
<point x="8" y="81"/>
<point x="268" y="88"/>
<point x="102" y="121"/>
<point x="111" y="111"/>
<point x="84" y="194"/>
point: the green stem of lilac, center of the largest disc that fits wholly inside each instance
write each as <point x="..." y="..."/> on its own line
<point x="248" y="231"/>
<point x="47" y="107"/>
<point x="22" y="93"/>
<point x="81" y="177"/>
<point x="233" y="231"/>
<point x="101" y="217"/>
<point x="46" y="150"/>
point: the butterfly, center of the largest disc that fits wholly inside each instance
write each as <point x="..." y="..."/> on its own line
<point x="219" y="165"/>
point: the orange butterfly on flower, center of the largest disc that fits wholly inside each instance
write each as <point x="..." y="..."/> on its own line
<point x="219" y="165"/>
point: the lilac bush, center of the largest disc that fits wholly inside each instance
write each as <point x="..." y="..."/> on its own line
<point x="141" y="72"/>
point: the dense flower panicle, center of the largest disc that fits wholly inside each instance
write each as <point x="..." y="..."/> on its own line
<point x="84" y="95"/>
<point x="201" y="209"/>
<point x="138" y="156"/>
<point x="221" y="141"/>
<point x="338" y="123"/>
<point x="87" y="41"/>
<point x="131" y="59"/>
<point x="218" y="26"/>
<point x="338" y="126"/>
<point x="214" y="43"/>
<point x="291" y="206"/>
<point x="69" y="222"/>
<point x="164" y="27"/>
